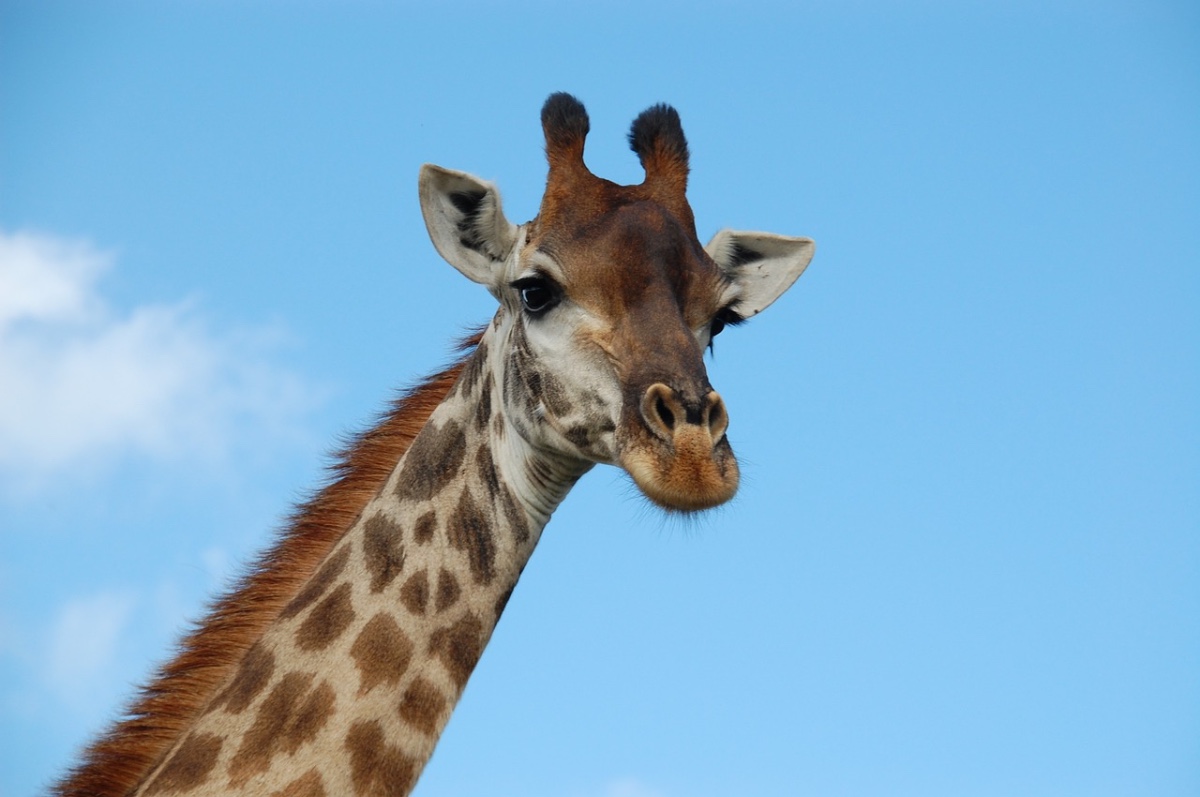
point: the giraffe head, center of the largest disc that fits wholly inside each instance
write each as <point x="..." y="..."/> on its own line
<point x="607" y="302"/>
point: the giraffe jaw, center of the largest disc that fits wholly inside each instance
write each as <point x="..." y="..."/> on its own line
<point x="689" y="474"/>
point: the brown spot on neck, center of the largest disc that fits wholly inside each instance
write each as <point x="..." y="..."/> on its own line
<point x="447" y="590"/>
<point x="458" y="647"/>
<point x="426" y="526"/>
<point x="382" y="653"/>
<point x="317" y="585"/>
<point x="485" y="468"/>
<point x="518" y="523"/>
<point x="316" y="710"/>
<point x="189" y="767"/>
<point x="433" y="462"/>
<point x="378" y="769"/>
<point x="252" y="677"/>
<point x="327" y="621"/>
<point x="310" y="784"/>
<point x="483" y="407"/>
<point x="415" y="592"/>
<point x="476" y="367"/>
<point x="289" y="716"/>
<point x="470" y="531"/>
<point x="502" y="601"/>
<point x="383" y="550"/>
<point x="423" y="706"/>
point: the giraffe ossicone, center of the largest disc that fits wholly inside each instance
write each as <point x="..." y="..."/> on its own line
<point x="333" y="667"/>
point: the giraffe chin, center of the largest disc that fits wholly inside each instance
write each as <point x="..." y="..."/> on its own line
<point x="689" y="475"/>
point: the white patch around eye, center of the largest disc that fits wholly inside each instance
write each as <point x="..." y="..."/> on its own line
<point x="553" y="335"/>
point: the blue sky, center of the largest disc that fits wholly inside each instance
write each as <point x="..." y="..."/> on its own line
<point x="965" y="559"/>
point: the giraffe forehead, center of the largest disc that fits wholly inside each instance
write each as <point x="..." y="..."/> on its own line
<point x="637" y="251"/>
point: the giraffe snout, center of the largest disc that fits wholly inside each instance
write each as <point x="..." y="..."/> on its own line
<point x="680" y="457"/>
<point x="667" y="413"/>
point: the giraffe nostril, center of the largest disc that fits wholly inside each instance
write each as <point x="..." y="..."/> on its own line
<point x="667" y="415"/>
<point x="660" y="410"/>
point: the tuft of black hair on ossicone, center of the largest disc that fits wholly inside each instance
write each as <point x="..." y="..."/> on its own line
<point x="564" y="120"/>
<point x="658" y="131"/>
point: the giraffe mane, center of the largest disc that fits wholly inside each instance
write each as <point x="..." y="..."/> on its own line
<point x="116" y="763"/>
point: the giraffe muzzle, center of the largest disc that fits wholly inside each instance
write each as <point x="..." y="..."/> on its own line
<point x="682" y="461"/>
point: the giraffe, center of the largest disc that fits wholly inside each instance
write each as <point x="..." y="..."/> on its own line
<point x="334" y="665"/>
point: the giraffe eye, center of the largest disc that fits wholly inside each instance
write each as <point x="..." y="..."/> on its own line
<point x="725" y="317"/>
<point x="538" y="294"/>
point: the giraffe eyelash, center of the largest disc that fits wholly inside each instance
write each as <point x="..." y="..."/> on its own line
<point x="725" y="317"/>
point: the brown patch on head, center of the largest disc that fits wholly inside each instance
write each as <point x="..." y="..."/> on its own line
<point x="252" y="677"/>
<point x="458" y="647"/>
<point x="423" y="706"/>
<point x="426" y="526"/>
<point x="317" y="585"/>
<point x="415" y="592"/>
<point x="433" y="461"/>
<point x="381" y="652"/>
<point x="309" y="784"/>
<point x="447" y="590"/>
<point x="189" y="767"/>
<point x="469" y="531"/>
<point x="383" y="550"/>
<point x="288" y="717"/>
<point x="377" y="768"/>
<point x="327" y="621"/>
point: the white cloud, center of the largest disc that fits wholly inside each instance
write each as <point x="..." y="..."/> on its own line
<point x="83" y="644"/>
<point x="84" y="383"/>
<point x="44" y="278"/>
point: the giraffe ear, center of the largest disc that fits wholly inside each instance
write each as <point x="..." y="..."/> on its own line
<point x="762" y="264"/>
<point x="466" y="223"/>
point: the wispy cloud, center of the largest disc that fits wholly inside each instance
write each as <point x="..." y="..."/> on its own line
<point x="85" y="382"/>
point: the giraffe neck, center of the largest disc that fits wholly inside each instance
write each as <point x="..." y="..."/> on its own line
<point x="349" y="689"/>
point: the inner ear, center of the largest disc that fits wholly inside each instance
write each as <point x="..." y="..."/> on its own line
<point x="762" y="264"/>
<point x="466" y="223"/>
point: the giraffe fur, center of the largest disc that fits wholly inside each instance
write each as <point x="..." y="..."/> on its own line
<point x="334" y="666"/>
